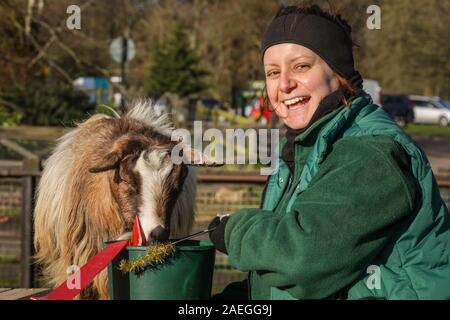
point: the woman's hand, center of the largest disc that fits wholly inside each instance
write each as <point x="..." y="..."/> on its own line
<point x="217" y="236"/>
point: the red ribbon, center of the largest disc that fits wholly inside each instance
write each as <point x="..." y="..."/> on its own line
<point x="67" y="290"/>
<point x="138" y="237"/>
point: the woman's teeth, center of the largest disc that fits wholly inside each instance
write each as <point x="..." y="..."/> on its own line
<point x="297" y="102"/>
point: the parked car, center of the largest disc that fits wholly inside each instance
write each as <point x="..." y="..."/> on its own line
<point x="399" y="107"/>
<point x="432" y="110"/>
<point x="373" y="88"/>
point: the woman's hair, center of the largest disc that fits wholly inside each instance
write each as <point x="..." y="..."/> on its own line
<point x="346" y="87"/>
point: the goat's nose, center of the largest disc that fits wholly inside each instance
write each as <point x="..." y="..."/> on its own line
<point x="159" y="234"/>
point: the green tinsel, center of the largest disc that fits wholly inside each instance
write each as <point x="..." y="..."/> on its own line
<point x="157" y="253"/>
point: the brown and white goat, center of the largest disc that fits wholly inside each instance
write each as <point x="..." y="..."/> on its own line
<point x="100" y="176"/>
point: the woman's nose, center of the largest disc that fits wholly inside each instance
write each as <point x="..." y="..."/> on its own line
<point x="287" y="83"/>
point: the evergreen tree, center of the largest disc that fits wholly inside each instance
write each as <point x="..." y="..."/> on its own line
<point x="174" y="67"/>
<point x="45" y="103"/>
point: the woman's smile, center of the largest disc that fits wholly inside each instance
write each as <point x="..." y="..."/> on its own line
<point x="297" y="102"/>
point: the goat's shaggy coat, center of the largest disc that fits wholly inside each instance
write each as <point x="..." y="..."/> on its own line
<point x="100" y="176"/>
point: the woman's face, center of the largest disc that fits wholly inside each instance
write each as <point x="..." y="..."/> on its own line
<point x="297" y="80"/>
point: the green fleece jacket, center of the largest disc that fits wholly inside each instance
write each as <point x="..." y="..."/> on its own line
<point x="362" y="195"/>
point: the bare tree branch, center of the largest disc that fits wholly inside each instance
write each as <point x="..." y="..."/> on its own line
<point x="28" y="17"/>
<point x="48" y="59"/>
<point x="41" y="52"/>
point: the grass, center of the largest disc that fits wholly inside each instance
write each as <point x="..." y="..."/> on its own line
<point x="428" y="130"/>
<point x="9" y="258"/>
<point x="10" y="212"/>
<point x="9" y="282"/>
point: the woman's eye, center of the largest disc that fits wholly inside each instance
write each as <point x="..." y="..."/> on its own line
<point x="272" y="73"/>
<point x="302" y="66"/>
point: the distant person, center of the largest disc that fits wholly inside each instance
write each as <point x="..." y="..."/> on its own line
<point x="261" y="111"/>
<point x="256" y="109"/>
<point x="266" y="109"/>
<point x="353" y="210"/>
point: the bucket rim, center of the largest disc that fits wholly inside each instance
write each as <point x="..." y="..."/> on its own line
<point x="187" y="245"/>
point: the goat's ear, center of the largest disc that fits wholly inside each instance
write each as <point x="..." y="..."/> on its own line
<point x="195" y="157"/>
<point x="110" y="161"/>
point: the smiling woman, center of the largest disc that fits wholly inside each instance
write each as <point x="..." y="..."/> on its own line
<point x="352" y="193"/>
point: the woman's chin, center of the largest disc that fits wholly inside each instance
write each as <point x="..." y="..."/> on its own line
<point x="297" y="122"/>
<point x="298" y="118"/>
<point x="296" y="126"/>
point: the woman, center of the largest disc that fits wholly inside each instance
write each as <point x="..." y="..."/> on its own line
<point x="353" y="210"/>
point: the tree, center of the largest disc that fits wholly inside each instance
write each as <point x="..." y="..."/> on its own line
<point x="46" y="103"/>
<point x="174" y="68"/>
<point x="410" y="52"/>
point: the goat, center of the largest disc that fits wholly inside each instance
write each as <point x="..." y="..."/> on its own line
<point x="101" y="175"/>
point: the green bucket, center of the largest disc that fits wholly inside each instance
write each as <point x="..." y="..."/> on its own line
<point x="185" y="276"/>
